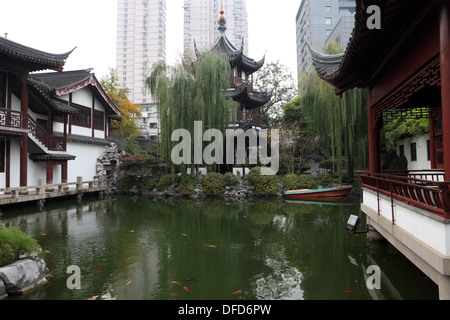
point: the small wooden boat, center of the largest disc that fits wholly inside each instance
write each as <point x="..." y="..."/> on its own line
<point x="339" y="191"/>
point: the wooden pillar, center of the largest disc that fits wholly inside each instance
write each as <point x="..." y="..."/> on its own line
<point x="24" y="101"/>
<point x="49" y="129"/>
<point x="444" y="52"/>
<point x="49" y="172"/>
<point x="8" y="164"/>
<point x="92" y="116"/>
<point x="64" y="172"/>
<point x="432" y="142"/>
<point x="24" y="139"/>
<point x="70" y="116"/>
<point x="66" y="118"/>
<point x="24" y="160"/>
<point x="374" y="144"/>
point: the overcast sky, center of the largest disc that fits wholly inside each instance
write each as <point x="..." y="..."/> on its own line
<point x="58" y="26"/>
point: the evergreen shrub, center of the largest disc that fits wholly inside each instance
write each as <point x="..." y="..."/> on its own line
<point x="14" y="242"/>
<point x="290" y="181"/>
<point x="325" y="180"/>
<point x="230" y="179"/>
<point x="265" y="185"/>
<point x="212" y="184"/>
<point x="306" y="182"/>
<point x="164" y="182"/>
<point x="187" y="185"/>
<point x="150" y="182"/>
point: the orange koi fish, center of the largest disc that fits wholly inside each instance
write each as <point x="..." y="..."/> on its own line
<point x="174" y="294"/>
<point x="98" y="271"/>
<point x="185" y="288"/>
<point x="128" y="283"/>
<point x="236" y="292"/>
<point x="94" y="298"/>
<point x="174" y="282"/>
<point x="347" y="291"/>
<point x="43" y="234"/>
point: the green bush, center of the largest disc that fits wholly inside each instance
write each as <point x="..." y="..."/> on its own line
<point x="187" y="185"/>
<point x="126" y="183"/>
<point x="212" y="184"/>
<point x="325" y="180"/>
<point x="306" y="182"/>
<point x="265" y="185"/>
<point x="290" y="181"/>
<point x="150" y="182"/>
<point x="164" y="182"/>
<point x="131" y="146"/>
<point x="230" y="179"/>
<point x="14" y="242"/>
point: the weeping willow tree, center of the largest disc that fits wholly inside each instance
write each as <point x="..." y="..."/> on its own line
<point x="340" y="122"/>
<point x="185" y="97"/>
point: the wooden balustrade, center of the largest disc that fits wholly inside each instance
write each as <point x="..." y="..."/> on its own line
<point x="246" y="116"/>
<point x="430" y="195"/>
<point x="10" y="118"/>
<point x="43" y="191"/>
<point x="235" y="81"/>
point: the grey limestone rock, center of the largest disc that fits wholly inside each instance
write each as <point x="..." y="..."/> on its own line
<point x="23" y="275"/>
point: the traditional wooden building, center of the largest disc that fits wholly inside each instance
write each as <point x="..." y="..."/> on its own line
<point x="241" y="79"/>
<point x="404" y="65"/>
<point x="48" y="121"/>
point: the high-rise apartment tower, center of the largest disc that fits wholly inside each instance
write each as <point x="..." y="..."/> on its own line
<point x="201" y="21"/>
<point x="141" y="42"/>
<point x="315" y="22"/>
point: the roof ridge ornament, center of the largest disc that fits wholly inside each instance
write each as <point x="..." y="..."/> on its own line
<point x="222" y="21"/>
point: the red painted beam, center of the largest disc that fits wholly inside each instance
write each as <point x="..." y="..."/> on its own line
<point x="444" y="54"/>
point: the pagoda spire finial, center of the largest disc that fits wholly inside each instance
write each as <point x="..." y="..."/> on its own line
<point x="221" y="12"/>
<point x="222" y="21"/>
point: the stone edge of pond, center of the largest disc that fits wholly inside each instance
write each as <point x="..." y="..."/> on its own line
<point x="236" y="191"/>
<point x="22" y="277"/>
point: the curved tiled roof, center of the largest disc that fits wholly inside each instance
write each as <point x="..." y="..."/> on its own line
<point x="228" y="52"/>
<point x="251" y="100"/>
<point x="69" y="81"/>
<point x="37" y="60"/>
<point x="51" y="157"/>
<point x="44" y="91"/>
<point x="367" y="47"/>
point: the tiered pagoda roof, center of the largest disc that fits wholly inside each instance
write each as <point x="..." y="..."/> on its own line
<point x="242" y="92"/>
<point x="230" y="53"/>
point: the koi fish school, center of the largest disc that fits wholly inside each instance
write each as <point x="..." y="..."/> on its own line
<point x="226" y="310"/>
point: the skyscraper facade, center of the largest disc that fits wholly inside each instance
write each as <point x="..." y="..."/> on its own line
<point x="201" y="22"/>
<point x="141" y="42"/>
<point x="315" y="21"/>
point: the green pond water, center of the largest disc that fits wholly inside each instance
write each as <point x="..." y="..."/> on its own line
<point x="142" y="248"/>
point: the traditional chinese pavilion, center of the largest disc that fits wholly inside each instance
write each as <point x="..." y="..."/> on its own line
<point x="241" y="79"/>
<point x="404" y="65"/>
<point x="53" y="125"/>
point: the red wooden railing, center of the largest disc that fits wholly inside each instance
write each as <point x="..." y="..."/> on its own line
<point x="13" y="119"/>
<point x="246" y="116"/>
<point x="37" y="131"/>
<point x="430" y="195"/>
<point x="428" y="174"/>
<point x="10" y="118"/>
<point x="235" y="81"/>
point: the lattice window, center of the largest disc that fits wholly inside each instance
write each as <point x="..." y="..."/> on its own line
<point x="427" y="76"/>
<point x="99" y="120"/>
<point x="83" y="117"/>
